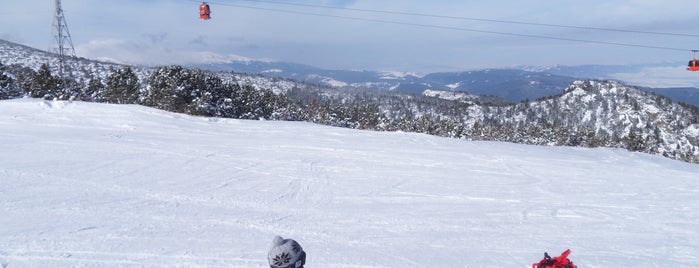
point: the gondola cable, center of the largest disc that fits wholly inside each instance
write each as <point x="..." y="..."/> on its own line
<point x="453" y="28"/>
<point x="475" y="19"/>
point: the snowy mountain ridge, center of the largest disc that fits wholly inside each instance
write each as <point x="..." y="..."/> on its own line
<point x="451" y="95"/>
<point x="514" y="84"/>
<point x="587" y="113"/>
<point x="87" y="69"/>
<point x="612" y="110"/>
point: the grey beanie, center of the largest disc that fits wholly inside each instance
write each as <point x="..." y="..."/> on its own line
<point x="286" y="253"/>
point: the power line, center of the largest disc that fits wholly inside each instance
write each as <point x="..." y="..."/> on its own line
<point x="476" y="19"/>
<point x="455" y="28"/>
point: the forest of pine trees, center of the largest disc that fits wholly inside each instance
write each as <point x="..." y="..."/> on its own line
<point x="548" y="121"/>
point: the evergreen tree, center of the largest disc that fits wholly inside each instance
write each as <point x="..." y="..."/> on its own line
<point x="95" y="90"/>
<point x="213" y="93"/>
<point x="24" y="78"/>
<point x="225" y="107"/>
<point x="44" y="84"/>
<point x="122" y="87"/>
<point x="634" y="141"/>
<point x="8" y="87"/>
<point x="68" y="89"/>
<point x="175" y="89"/>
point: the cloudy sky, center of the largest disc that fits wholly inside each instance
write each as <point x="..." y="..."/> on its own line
<point x="157" y="32"/>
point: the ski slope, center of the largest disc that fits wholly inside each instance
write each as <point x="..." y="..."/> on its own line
<point x="100" y="185"/>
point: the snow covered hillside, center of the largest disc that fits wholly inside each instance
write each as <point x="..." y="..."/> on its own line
<point x="102" y="185"/>
<point x="11" y="53"/>
<point x="85" y="69"/>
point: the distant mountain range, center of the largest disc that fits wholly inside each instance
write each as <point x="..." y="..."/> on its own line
<point x="514" y="85"/>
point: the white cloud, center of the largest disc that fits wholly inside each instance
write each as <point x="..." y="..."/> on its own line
<point x="671" y="76"/>
<point x="169" y="32"/>
<point x="145" y="53"/>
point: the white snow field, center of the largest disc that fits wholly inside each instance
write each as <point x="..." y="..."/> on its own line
<point x="99" y="185"/>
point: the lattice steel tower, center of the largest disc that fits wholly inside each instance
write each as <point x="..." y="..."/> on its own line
<point x="62" y="35"/>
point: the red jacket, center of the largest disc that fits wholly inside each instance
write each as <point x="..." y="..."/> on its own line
<point x="561" y="261"/>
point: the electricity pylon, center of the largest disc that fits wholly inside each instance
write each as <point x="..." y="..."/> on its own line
<point x="62" y="35"/>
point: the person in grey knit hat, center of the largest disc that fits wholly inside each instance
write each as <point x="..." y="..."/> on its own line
<point x="286" y="253"/>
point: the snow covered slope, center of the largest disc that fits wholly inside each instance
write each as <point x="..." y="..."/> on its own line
<point x="98" y="185"/>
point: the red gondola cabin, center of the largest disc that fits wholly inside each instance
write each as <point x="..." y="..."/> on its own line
<point x="204" y="11"/>
<point x="693" y="65"/>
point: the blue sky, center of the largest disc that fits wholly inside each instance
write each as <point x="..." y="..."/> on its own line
<point x="158" y="32"/>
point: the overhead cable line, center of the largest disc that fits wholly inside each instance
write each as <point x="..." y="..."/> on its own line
<point x="455" y="28"/>
<point x="476" y="19"/>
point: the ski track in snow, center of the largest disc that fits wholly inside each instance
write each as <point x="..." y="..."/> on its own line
<point x="98" y="185"/>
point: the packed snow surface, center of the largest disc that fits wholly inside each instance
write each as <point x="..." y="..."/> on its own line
<point x="98" y="185"/>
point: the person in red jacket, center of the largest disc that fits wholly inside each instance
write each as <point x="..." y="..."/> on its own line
<point x="561" y="261"/>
